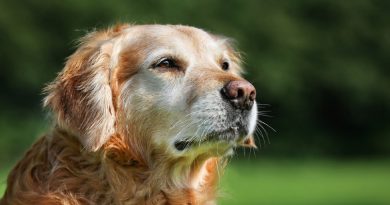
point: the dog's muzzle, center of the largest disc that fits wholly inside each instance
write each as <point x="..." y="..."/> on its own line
<point x="239" y="98"/>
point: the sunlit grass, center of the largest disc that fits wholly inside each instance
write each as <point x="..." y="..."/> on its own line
<point x="314" y="182"/>
<point x="3" y="179"/>
<point x="298" y="182"/>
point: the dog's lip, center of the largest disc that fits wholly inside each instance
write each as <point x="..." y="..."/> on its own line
<point x="183" y="144"/>
<point x="232" y="134"/>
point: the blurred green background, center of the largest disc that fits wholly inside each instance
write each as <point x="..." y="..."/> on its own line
<point x="322" y="68"/>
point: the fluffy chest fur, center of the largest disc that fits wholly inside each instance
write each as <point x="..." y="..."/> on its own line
<point x="58" y="171"/>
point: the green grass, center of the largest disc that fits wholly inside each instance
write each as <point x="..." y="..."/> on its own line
<point x="299" y="182"/>
<point x="3" y="179"/>
<point x="314" y="183"/>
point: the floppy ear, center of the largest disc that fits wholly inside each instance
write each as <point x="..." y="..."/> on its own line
<point x="81" y="97"/>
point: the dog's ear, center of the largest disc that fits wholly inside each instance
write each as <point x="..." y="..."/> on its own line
<point x="81" y="97"/>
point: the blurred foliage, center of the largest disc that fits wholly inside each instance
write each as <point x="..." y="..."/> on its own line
<point x="322" y="66"/>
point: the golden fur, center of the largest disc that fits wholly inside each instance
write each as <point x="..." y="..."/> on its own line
<point x="96" y="153"/>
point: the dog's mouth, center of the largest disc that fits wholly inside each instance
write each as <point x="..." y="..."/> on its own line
<point x="182" y="145"/>
<point x="231" y="135"/>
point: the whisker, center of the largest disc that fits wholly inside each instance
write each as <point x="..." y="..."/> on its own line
<point x="265" y="132"/>
<point x="187" y="118"/>
<point x="263" y="123"/>
<point x="260" y="132"/>
<point x="262" y="105"/>
<point x="184" y="128"/>
<point x="263" y="114"/>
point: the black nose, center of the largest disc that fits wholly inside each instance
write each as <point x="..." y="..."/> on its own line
<point x="240" y="93"/>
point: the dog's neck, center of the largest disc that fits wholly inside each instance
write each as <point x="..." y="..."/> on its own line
<point x="180" y="180"/>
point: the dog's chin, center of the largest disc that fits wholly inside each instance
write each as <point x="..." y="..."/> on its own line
<point x="216" y="142"/>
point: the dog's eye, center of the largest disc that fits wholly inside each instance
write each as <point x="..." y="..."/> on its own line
<point x="225" y="66"/>
<point x="166" y="63"/>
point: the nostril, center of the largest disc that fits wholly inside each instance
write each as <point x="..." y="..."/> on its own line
<point x="240" y="93"/>
<point x="252" y="96"/>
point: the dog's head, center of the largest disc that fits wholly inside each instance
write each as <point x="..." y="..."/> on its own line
<point x="179" y="86"/>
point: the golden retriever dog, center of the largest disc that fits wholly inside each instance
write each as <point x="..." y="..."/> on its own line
<point x="142" y="114"/>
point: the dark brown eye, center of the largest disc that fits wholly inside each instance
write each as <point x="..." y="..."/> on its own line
<point x="225" y="66"/>
<point x="166" y="63"/>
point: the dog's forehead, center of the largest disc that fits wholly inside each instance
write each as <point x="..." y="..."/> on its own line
<point x="176" y="37"/>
